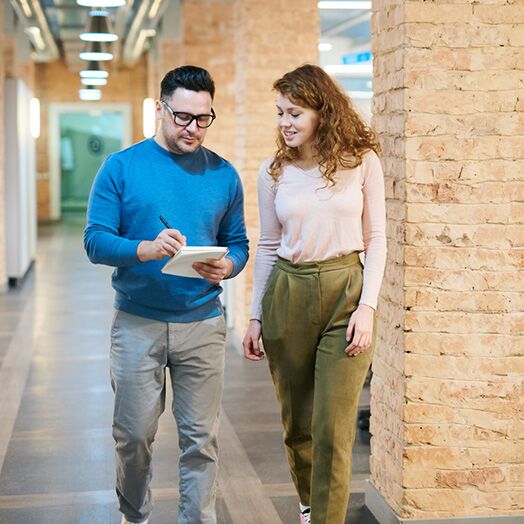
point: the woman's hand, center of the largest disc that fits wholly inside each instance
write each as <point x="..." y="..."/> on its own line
<point x="360" y="330"/>
<point x="251" y="342"/>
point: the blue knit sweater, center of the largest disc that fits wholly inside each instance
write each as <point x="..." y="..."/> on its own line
<point x="199" y="194"/>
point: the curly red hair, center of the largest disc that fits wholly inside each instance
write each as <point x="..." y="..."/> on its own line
<point x="341" y="138"/>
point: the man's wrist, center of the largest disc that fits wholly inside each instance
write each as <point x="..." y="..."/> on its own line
<point x="141" y="250"/>
<point x="231" y="267"/>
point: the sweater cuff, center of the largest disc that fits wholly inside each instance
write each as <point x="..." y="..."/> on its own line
<point x="128" y="253"/>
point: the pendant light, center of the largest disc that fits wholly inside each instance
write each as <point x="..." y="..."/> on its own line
<point x="96" y="51"/>
<point x="90" y="93"/>
<point x="101" y="3"/>
<point x="93" y="70"/>
<point x="94" y="81"/>
<point x="98" y="28"/>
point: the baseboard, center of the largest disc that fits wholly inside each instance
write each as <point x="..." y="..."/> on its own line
<point x="383" y="512"/>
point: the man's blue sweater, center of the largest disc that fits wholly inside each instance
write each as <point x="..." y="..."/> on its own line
<point x="199" y="194"/>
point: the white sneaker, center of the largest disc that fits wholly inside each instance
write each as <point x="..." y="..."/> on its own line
<point x="305" y="515"/>
<point x="125" y="521"/>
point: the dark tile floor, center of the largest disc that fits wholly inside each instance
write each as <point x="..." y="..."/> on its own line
<point x="56" y="456"/>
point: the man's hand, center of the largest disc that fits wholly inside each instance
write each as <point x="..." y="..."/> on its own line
<point x="360" y="330"/>
<point x="214" y="270"/>
<point x="166" y="244"/>
<point x="251" y="342"/>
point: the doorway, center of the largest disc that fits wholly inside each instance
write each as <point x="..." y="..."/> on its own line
<point x="81" y="137"/>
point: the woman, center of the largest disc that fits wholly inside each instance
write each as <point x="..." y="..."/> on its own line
<point x="322" y="203"/>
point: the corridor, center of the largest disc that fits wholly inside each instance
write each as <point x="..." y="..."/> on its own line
<point x="56" y="449"/>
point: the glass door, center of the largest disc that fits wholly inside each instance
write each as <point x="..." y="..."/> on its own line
<point x="86" y="139"/>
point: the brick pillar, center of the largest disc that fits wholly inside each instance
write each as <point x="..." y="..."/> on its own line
<point x="270" y="39"/>
<point x="447" y="384"/>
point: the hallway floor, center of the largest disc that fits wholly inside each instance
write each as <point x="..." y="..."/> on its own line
<point x="56" y="449"/>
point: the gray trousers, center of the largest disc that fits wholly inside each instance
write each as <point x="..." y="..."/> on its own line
<point x="141" y="350"/>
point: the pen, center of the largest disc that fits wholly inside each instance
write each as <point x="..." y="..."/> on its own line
<point x="165" y="222"/>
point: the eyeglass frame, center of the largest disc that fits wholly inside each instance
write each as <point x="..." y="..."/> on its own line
<point x="193" y="117"/>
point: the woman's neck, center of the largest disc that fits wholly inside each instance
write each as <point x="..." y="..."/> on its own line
<point x="306" y="158"/>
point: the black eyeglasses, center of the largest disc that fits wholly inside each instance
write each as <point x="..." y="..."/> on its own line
<point x="185" y="119"/>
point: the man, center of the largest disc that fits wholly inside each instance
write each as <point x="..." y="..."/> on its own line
<point x="164" y="321"/>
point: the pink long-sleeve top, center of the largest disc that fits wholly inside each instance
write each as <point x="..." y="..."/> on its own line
<point x="302" y="219"/>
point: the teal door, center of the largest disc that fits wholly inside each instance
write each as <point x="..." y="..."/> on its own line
<point x="86" y="139"/>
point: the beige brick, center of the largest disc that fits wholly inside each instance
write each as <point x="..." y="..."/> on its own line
<point x="463" y="59"/>
<point x="462" y="213"/>
<point x="448" y="147"/>
<point x="438" y="79"/>
<point x="485" y="235"/>
<point x="448" y="434"/>
<point x="465" y="193"/>
<point x="425" y="299"/>
<point x="437" y="501"/>
<point x="466" y="170"/>
<point x="483" y="421"/>
<point x="455" y="102"/>
<point x="497" y="394"/>
<point x="472" y="344"/>
<point x="462" y="34"/>
<point x="463" y="322"/>
<point x="462" y="367"/>
<point x="465" y="280"/>
<point x="464" y="126"/>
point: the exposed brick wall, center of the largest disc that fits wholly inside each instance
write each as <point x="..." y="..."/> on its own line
<point x="447" y="387"/>
<point x="270" y="39"/>
<point x="214" y="49"/>
<point x="170" y="54"/>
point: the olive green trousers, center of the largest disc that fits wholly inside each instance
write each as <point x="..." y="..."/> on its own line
<point x="305" y="314"/>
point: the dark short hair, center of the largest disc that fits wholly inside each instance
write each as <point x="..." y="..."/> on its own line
<point x="189" y="77"/>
